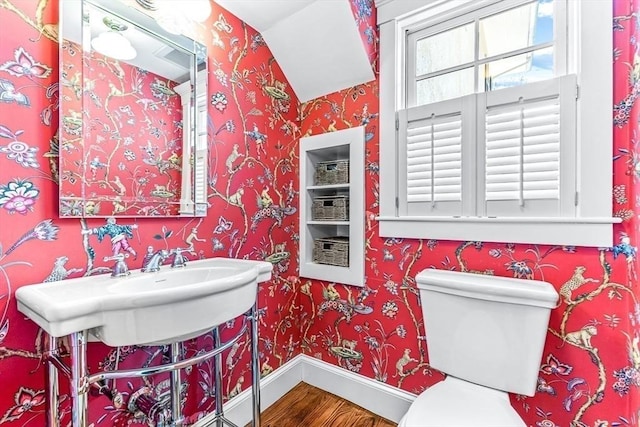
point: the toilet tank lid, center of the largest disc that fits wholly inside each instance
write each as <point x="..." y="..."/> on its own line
<point x="487" y="287"/>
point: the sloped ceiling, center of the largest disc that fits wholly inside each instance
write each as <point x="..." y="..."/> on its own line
<point x="315" y="42"/>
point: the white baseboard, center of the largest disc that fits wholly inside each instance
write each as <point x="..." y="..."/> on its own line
<point x="381" y="399"/>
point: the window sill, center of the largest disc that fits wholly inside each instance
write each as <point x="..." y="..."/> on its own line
<point x="546" y="231"/>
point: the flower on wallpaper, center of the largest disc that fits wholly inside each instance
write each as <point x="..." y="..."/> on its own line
<point x="25" y="65"/>
<point x="391" y="286"/>
<point x="221" y="76"/>
<point x="44" y="230"/>
<point x="553" y="366"/>
<point x="625" y="378"/>
<point x="18" y="196"/>
<point x="18" y="150"/>
<point x="71" y="207"/>
<point x="26" y="400"/>
<point x="390" y="309"/>
<point x="520" y="269"/>
<point x="219" y="101"/>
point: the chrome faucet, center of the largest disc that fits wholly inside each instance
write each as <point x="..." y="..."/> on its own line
<point x="179" y="260"/>
<point x="120" y="269"/>
<point x="152" y="263"/>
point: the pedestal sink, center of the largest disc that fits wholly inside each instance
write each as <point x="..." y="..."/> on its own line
<point x="147" y="308"/>
<point x="164" y="307"/>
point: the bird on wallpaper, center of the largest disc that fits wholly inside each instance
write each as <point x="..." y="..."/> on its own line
<point x="332" y="126"/>
<point x="629" y="252"/>
<point x="59" y="272"/>
<point x="9" y="94"/>
<point x="624" y="247"/>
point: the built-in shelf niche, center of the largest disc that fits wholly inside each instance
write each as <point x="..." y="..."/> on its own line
<point x="340" y="145"/>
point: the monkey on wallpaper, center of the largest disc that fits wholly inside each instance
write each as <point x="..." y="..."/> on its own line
<point x="581" y="338"/>
<point x="191" y="237"/>
<point x="235" y="155"/>
<point x="404" y="360"/>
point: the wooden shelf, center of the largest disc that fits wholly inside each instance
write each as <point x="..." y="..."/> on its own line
<point x="328" y="222"/>
<point x="328" y="187"/>
<point x="340" y="145"/>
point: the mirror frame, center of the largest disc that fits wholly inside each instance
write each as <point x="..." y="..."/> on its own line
<point x="193" y="192"/>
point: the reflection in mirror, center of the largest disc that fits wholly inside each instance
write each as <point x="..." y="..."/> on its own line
<point x="133" y="138"/>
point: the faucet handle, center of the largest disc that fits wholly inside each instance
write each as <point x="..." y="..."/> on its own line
<point x="117" y="257"/>
<point x="120" y="269"/>
<point x="179" y="260"/>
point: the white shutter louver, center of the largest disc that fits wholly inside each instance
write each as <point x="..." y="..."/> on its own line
<point x="434" y="159"/>
<point x="523" y="151"/>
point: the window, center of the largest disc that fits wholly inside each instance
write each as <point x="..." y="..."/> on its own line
<point x="502" y="133"/>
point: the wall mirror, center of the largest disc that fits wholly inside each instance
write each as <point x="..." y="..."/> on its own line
<point x="133" y="113"/>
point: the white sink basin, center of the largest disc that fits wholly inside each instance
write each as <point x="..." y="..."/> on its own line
<point x="147" y="308"/>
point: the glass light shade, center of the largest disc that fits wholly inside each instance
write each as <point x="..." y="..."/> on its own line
<point x="196" y="10"/>
<point x="172" y="21"/>
<point x="113" y="45"/>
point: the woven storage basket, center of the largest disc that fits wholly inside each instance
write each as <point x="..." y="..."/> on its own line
<point x="330" y="208"/>
<point x="332" y="172"/>
<point x="332" y="251"/>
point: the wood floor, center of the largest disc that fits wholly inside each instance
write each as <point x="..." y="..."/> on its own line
<point x="308" y="406"/>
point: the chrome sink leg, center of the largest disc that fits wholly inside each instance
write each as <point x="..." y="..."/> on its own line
<point x="219" y="417"/>
<point x="255" y="366"/>
<point x="51" y="374"/>
<point x="79" y="379"/>
<point x="176" y="387"/>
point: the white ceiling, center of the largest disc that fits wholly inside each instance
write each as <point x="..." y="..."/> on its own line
<point x="315" y="42"/>
<point x="263" y="14"/>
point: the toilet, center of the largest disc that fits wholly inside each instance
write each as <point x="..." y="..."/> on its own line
<point x="487" y="335"/>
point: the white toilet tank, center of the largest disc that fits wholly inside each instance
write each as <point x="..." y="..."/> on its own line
<point x="484" y="329"/>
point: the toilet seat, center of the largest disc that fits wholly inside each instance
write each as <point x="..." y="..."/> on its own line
<point x="457" y="403"/>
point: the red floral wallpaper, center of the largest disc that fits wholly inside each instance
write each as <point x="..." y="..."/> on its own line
<point x="254" y="124"/>
<point x="127" y="158"/>
<point x="591" y="382"/>
<point x="253" y="136"/>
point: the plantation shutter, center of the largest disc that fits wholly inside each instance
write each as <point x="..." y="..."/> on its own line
<point x="529" y="146"/>
<point x="201" y="148"/>
<point x="431" y="140"/>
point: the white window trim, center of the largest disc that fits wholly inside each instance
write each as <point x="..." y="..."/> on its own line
<point x="592" y="225"/>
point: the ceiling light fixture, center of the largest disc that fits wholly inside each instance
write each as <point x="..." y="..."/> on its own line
<point x="176" y="18"/>
<point x="113" y="43"/>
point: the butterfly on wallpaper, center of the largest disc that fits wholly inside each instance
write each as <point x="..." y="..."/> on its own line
<point x="9" y="94"/>
<point x="222" y="24"/>
<point x="223" y="225"/>
<point x="25" y="65"/>
<point x="544" y="387"/>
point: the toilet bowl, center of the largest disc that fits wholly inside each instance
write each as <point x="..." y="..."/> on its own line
<point x="487" y="335"/>
<point x="454" y="403"/>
